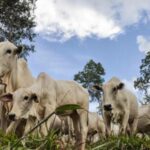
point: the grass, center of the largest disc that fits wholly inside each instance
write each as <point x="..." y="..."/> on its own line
<point x="122" y="143"/>
<point x="53" y="142"/>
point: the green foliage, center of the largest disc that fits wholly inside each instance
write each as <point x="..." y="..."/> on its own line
<point x="143" y="82"/>
<point x="92" y="74"/>
<point x="17" y="22"/>
<point x="62" y="110"/>
<point x="48" y="142"/>
<point x="53" y="141"/>
<point x="7" y="140"/>
<point x="121" y="142"/>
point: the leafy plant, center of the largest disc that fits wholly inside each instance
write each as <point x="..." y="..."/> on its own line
<point x="143" y="82"/>
<point x="91" y="74"/>
<point x="123" y="143"/>
<point x="17" y="22"/>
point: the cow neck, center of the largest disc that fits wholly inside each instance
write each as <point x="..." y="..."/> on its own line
<point x="11" y="79"/>
<point x="24" y="76"/>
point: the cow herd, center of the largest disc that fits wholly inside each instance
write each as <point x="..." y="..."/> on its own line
<point x="23" y="97"/>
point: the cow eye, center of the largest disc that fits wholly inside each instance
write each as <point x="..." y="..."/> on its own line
<point x="26" y="98"/>
<point x="8" y="51"/>
<point x="114" y="89"/>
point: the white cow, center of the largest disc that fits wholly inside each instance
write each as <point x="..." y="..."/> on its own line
<point x="96" y="127"/>
<point x="44" y="96"/>
<point x="119" y="106"/>
<point x="144" y="119"/>
<point x="14" y="73"/>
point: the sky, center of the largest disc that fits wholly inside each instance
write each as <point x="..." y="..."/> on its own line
<point x="71" y="32"/>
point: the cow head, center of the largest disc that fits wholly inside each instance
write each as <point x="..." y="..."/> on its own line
<point x="8" y="56"/>
<point x="23" y="102"/>
<point x="110" y="92"/>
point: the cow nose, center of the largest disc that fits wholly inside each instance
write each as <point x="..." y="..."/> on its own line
<point x="108" y="107"/>
<point x="12" y="117"/>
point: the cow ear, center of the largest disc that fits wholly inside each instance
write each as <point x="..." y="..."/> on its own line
<point x="8" y="97"/>
<point x="18" y="50"/>
<point x="120" y="86"/>
<point x="97" y="87"/>
<point x="3" y="86"/>
<point x="34" y="97"/>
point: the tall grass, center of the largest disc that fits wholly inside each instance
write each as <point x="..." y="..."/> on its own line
<point x="53" y="142"/>
<point x="122" y="143"/>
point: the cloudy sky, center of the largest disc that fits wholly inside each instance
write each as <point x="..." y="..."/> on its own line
<point x="70" y="32"/>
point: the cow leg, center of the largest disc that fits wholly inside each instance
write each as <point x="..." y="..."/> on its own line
<point x="3" y="117"/>
<point x="107" y="121"/>
<point x="124" y="123"/>
<point x="83" y="127"/>
<point x="133" y="126"/>
<point x="20" y="127"/>
<point x="30" y="123"/>
<point x="12" y="127"/>
<point x="102" y="133"/>
<point x="76" y="125"/>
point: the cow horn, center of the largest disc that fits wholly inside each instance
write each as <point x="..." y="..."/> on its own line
<point x="97" y="87"/>
<point x="35" y="98"/>
<point x="120" y="86"/>
<point x="18" y="50"/>
<point x="8" y="97"/>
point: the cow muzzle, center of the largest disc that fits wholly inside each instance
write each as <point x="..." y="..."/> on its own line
<point x="12" y="117"/>
<point x="108" y="107"/>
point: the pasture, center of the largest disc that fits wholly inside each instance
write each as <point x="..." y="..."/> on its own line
<point x="53" y="142"/>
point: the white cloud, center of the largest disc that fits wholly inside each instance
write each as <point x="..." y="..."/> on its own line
<point x="143" y="43"/>
<point x="63" y="19"/>
<point x="133" y="11"/>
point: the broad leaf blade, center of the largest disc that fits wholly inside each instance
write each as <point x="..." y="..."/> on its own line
<point x="63" y="109"/>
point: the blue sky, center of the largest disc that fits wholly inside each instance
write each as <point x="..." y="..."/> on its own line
<point x="70" y="33"/>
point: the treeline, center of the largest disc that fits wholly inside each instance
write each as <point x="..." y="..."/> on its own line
<point x="17" y="23"/>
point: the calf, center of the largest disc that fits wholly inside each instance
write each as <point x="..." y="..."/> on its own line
<point x="44" y="96"/>
<point x="144" y="119"/>
<point x="96" y="127"/>
<point x="14" y="72"/>
<point x="119" y="106"/>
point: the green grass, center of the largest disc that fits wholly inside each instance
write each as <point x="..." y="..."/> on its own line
<point x="53" y="142"/>
<point x="122" y="143"/>
<point x="31" y="142"/>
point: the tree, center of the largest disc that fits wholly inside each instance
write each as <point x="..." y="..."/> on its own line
<point x="91" y="74"/>
<point x="143" y="82"/>
<point x="17" y="22"/>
